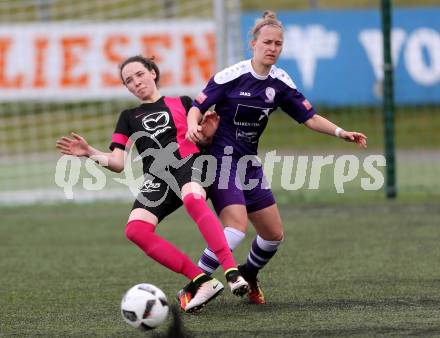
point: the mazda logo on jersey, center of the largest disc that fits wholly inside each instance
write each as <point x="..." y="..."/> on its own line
<point x="156" y="120"/>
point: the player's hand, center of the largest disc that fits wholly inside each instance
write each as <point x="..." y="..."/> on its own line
<point x="209" y="124"/>
<point x="77" y="146"/>
<point x="194" y="133"/>
<point x="355" y="137"/>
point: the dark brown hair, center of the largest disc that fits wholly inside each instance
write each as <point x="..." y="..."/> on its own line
<point x="147" y="62"/>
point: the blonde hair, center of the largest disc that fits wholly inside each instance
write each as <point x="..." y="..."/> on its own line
<point x="269" y="18"/>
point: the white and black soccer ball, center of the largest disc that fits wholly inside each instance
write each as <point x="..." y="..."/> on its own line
<point x="144" y="306"/>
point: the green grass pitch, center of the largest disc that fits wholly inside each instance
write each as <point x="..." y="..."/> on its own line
<point x="343" y="270"/>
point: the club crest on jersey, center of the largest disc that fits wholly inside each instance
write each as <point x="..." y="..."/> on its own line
<point x="155" y="121"/>
<point x="270" y="94"/>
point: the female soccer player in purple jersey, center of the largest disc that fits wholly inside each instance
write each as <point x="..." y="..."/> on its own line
<point x="161" y="121"/>
<point x="244" y="95"/>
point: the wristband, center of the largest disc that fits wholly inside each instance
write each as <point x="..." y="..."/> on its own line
<point x="338" y="131"/>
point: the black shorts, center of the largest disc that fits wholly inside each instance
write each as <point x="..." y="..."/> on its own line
<point x="161" y="196"/>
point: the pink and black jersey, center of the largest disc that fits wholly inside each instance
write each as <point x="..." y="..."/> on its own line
<point x="161" y="122"/>
<point x="244" y="100"/>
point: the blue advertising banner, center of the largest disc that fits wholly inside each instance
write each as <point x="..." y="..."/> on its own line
<point x="335" y="57"/>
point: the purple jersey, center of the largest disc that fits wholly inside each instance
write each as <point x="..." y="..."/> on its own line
<point x="244" y="100"/>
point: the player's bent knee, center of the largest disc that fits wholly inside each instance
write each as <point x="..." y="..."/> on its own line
<point x="278" y="233"/>
<point x="131" y="231"/>
<point x="193" y="189"/>
<point x="280" y="237"/>
<point x="136" y="229"/>
<point x="274" y="236"/>
<point x="141" y="214"/>
<point x="242" y="227"/>
<point x="235" y="216"/>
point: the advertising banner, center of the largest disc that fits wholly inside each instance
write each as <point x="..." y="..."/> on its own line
<point x="71" y="61"/>
<point x="335" y="56"/>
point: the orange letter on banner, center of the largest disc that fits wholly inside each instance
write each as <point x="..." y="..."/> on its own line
<point x="193" y="57"/>
<point x="40" y="60"/>
<point x="112" y="78"/>
<point x="15" y="82"/>
<point x="149" y="44"/>
<point x="71" y="59"/>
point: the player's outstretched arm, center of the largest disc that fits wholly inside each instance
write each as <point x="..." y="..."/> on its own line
<point x="194" y="129"/>
<point x="78" y="146"/>
<point x="322" y="125"/>
<point x="209" y="125"/>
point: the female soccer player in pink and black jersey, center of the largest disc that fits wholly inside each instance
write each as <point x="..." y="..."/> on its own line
<point x="244" y="96"/>
<point x="158" y="125"/>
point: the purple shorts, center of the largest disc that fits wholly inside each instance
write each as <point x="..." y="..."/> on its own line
<point x="239" y="186"/>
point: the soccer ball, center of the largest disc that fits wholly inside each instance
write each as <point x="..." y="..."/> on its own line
<point x="144" y="306"/>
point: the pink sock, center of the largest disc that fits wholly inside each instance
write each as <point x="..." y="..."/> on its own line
<point x="211" y="229"/>
<point x="142" y="234"/>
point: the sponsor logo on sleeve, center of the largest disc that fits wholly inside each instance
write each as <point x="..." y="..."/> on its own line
<point x="201" y="97"/>
<point x="307" y="104"/>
